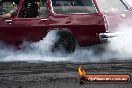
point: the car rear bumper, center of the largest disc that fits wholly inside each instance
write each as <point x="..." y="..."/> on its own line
<point x="104" y="37"/>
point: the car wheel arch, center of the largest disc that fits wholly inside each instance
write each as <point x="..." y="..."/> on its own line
<point x="64" y="31"/>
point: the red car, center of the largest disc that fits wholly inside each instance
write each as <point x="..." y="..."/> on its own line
<point x="86" y="22"/>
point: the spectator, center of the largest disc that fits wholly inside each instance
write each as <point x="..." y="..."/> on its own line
<point x="12" y="13"/>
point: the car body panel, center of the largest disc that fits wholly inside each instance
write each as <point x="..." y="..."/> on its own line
<point x="116" y="18"/>
<point x="84" y="27"/>
<point x="119" y="18"/>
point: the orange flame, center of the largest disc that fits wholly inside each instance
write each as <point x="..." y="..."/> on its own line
<point x="81" y="71"/>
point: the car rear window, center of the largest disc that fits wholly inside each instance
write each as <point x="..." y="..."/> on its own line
<point x="73" y="6"/>
<point x="112" y="5"/>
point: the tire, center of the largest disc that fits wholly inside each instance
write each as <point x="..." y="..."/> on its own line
<point x="64" y="42"/>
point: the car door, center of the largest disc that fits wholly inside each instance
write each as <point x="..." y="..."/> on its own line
<point x="5" y="31"/>
<point x="81" y="18"/>
<point x="28" y="27"/>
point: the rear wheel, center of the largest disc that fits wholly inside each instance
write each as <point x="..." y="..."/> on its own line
<point x="65" y="42"/>
<point x="61" y="41"/>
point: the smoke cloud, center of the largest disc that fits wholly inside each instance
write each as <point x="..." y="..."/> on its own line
<point x="129" y="2"/>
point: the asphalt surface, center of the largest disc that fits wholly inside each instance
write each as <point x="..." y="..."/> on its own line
<point x="58" y="74"/>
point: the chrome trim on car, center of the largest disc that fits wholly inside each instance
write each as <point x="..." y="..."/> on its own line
<point x="106" y="23"/>
<point x="105" y="36"/>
